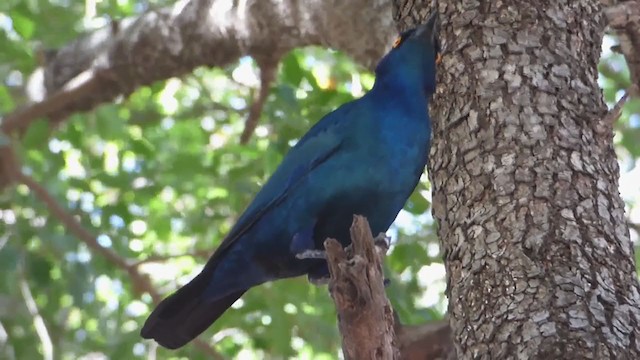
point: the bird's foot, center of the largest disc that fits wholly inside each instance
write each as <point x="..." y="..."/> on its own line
<point x="312" y="254"/>
<point x="319" y="281"/>
<point x="319" y="275"/>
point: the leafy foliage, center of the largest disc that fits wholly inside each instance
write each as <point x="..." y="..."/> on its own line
<point x="161" y="175"/>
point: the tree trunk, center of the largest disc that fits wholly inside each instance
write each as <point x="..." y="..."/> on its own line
<point x="538" y="256"/>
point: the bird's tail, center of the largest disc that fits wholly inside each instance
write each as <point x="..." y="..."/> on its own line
<point x="185" y="314"/>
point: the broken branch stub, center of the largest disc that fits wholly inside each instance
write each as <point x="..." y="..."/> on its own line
<point x="365" y="316"/>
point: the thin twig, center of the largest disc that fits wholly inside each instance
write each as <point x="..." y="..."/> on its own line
<point x="161" y="258"/>
<point x="38" y="321"/>
<point x="268" y="70"/>
<point x="8" y="166"/>
<point x="613" y="114"/>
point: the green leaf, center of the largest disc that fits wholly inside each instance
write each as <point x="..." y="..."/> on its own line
<point x="9" y="257"/>
<point x="16" y="54"/>
<point x="631" y="141"/>
<point x="142" y="147"/>
<point x="37" y="134"/>
<point x="6" y="101"/>
<point x="417" y="204"/>
<point x="39" y="268"/>
<point x="292" y="73"/>
<point x="23" y="25"/>
<point x="287" y="98"/>
<point x="74" y="132"/>
<point x="109" y="123"/>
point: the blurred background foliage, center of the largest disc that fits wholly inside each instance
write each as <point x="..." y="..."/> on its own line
<point x="161" y="176"/>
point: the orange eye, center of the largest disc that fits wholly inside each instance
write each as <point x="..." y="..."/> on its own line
<point x="397" y="42"/>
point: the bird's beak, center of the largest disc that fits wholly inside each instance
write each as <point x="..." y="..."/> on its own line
<point x="429" y="31"/>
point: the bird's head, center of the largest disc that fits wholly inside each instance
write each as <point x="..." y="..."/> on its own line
<point x="413" y="57"/>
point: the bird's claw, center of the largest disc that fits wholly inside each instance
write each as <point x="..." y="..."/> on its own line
<point x="382" y="241"/>
<point x="319" y="281"/>
<point x="312" y="254"/>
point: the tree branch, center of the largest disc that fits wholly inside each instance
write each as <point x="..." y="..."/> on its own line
<point x="172" y="41"/>
<point x="268" y="69"/>
<point x="365" y="315"/>
<point x="624" y="19"/>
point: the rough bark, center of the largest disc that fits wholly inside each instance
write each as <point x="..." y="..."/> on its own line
<point x="426" y="341"/>
<point x="538" y="256"/>
<point x="365" y="316"/>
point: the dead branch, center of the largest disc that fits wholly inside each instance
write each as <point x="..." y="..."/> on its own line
<point x="268" y="69"/>
<point x="426" y="341"/>
<point x="365" y="316"/>
<point x="614" y="114"/>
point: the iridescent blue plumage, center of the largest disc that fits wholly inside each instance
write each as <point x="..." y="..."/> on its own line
<point x="366" y="157"/>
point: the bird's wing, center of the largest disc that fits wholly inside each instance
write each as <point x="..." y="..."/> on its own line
<point x="319" y="144"/>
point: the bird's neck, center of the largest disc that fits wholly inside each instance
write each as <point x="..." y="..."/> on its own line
<point x="407" y="89"/>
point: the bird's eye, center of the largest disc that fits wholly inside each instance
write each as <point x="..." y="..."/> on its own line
<point x="403" y="36"/>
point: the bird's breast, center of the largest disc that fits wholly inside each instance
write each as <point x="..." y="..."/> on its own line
<point x="402" y="143"/>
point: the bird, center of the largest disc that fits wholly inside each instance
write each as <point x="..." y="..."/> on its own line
<point x="366" y="158"/>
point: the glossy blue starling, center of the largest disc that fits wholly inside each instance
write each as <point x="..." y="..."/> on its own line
<point x="366" y="158"/>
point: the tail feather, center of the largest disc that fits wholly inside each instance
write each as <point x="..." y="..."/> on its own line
<point x="185" y="314"/>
